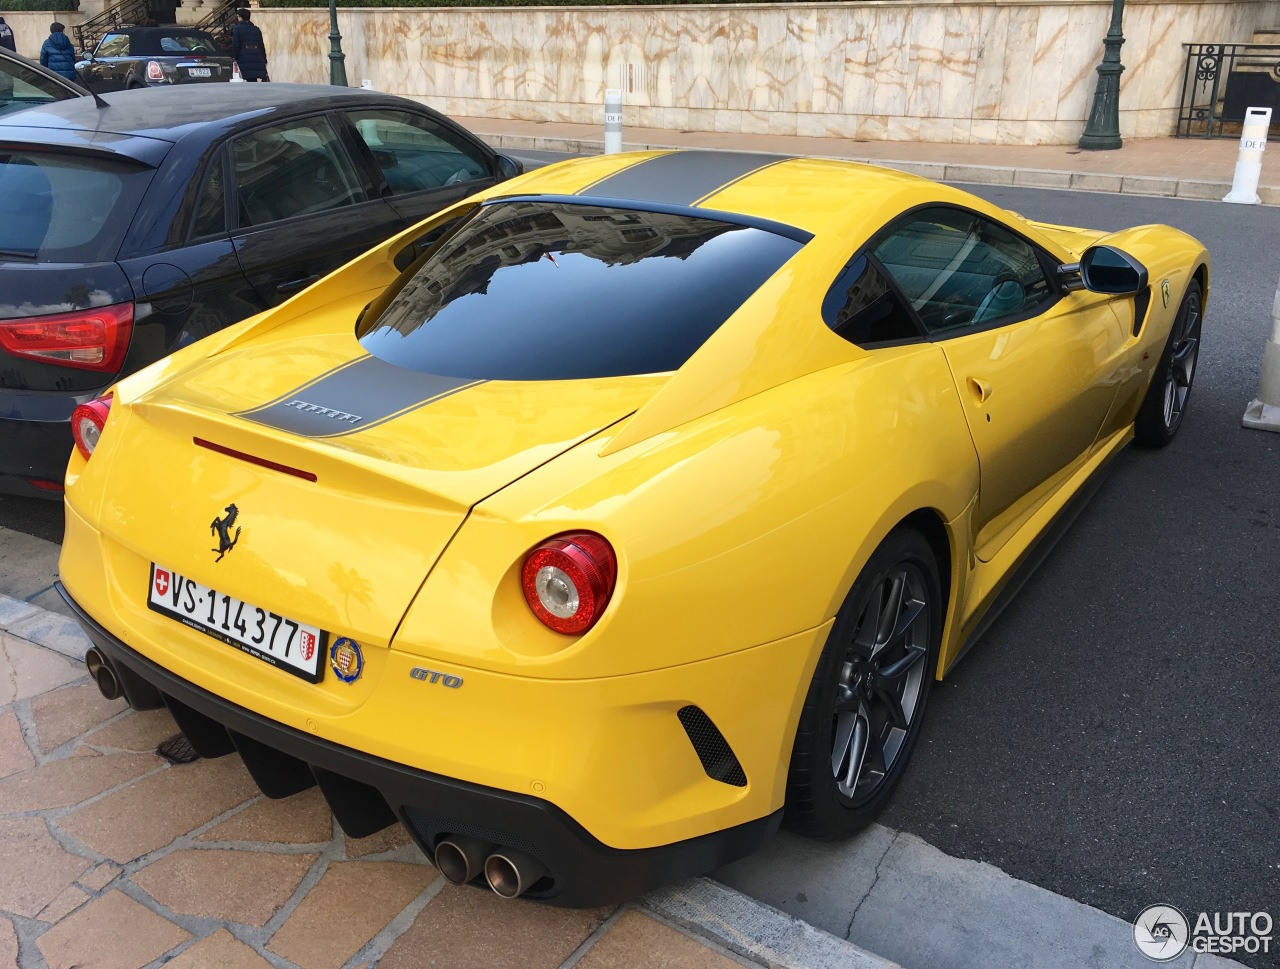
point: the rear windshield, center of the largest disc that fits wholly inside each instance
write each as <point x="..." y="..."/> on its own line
<point x="558" y="291"/>
<point x="66" y="208"/>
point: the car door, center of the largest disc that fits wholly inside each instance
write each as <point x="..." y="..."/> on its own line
<point x="301" y="207"/>
<point x="426" y="163"/>
<point x="195" y="288"/>
<point x="1036" y="372"/>
<point x="108" y="67"/>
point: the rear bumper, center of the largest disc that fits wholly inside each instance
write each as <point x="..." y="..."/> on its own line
<point x="367" y="793"/>
<point x="34" y="449"/>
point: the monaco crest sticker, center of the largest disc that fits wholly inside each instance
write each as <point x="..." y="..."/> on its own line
<point x="346" y="660"/>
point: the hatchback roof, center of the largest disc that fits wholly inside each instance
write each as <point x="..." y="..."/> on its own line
<point x="168" y="30"/>
<point x="171" y="113"/>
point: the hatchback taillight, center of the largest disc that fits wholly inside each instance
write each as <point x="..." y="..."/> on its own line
<point x="87" y="422"/>
<point x="154" y="71"/>
<point x="567" y="581"/>
<point x="92" y="339"/>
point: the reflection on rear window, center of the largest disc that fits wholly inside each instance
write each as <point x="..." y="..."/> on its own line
<point x="64" y="208"/>
<point x="536" y="290"/>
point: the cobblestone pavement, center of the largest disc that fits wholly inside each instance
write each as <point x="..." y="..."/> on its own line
<point x="114" y="858"/>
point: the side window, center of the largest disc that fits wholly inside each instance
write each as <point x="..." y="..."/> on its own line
<point x="415" y="153"/>
<point x="862" y="307"/>
<point x="113" y="45"/>
<point x="961" y="270"/>
<point x="292" y="170"/>
<point x="211" y="211"/>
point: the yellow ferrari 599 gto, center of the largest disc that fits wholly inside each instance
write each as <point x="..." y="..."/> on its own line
<point x="592" y="526"/>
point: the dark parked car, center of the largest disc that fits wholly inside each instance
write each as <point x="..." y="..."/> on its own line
<point x="135" y="57"/>
<point x="131" y="230"/>
<point x="24" y="84"/>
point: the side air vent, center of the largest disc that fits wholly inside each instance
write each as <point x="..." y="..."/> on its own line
<point x="1141" y="303"/>
<point x="713" y="750"/>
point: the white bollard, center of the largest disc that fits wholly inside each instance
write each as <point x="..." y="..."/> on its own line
<point x="612" y="121"/>
<point x="366" y="85"/>
<point x="1253" y="142"/>
<point x="1264" y="413"/>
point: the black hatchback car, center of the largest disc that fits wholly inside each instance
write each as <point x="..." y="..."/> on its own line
<point x="129" y="231"/>
<point x="136" y="57"/>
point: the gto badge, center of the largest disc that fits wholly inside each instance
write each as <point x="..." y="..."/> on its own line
<point x="346" y="660"/>
<point x="435" y="676"/>
<point x="221" y="527"/>
<point x="1164" y="292"/>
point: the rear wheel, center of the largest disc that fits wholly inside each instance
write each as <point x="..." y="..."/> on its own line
<point x="865" y="704"/>
<point x="1162" y="409"/>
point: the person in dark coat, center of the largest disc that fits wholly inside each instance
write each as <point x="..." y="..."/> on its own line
<point x="6" y="36"/>
<point x="57" y="54"/>
<point x="247" y="49"/>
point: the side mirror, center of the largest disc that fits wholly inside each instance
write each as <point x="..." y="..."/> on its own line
<point x="1107" y="270"/>
<point x="509" y="167"/>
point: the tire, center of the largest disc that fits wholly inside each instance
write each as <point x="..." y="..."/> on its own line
<point x="870" y="688"/>
<point x="1163" y="408"/>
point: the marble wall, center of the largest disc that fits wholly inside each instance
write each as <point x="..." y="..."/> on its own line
<point x="31" y="27"/>
<point x="986" y="72"/>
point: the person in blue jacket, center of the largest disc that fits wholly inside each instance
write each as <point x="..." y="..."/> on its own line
<point x="57" y="54"/>
<point x="247" y="49"/>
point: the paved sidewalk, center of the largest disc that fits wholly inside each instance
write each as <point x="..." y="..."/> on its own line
<point x="115" y="858"/>
<point x="1192" y="168"/>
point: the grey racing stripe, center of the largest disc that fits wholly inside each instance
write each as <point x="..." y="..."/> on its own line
<point x="354" y="397"/>
<point x="681" y="177"/>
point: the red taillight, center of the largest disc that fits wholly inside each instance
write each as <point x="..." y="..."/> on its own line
<point x="567" y="581"/>
<point x="154" y="71"/>
<point x="87" y="422"/>
<point x="92" y="339"/>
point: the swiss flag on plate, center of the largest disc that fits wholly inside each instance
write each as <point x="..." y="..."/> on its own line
<point x="308" y="645"/>
<point x="162" y="582"/>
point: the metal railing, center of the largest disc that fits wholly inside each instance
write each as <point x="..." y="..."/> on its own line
<point x="1221" y="81"/>
<point x="220" y="20"/>
<point x="124" y="14"/>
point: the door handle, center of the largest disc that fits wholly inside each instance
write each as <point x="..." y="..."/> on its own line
<point x="980" y="389"/>
<point x="294" y="285"/>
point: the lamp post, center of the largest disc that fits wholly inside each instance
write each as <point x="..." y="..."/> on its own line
<point x="1103" y="129"/>
<point x="337" y="69"/>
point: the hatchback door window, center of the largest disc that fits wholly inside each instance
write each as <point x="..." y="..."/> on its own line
<point x="415" y="153"/>
<point x="292" y="170"/>
<point x="959" y="270"/>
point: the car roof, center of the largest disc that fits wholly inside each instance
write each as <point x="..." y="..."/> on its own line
<point x="843" y="201"/>
<point x="160" y="31"/>
<point x="165" y="116"/>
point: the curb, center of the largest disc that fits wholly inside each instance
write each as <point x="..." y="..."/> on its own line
<point x="1191" y="189"/>
<point x="756" y="931"/>
<point x="716" y="913"/>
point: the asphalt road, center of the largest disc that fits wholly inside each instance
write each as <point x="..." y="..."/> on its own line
<point x="1114" y="737"/>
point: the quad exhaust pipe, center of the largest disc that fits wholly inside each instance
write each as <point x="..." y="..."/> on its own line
<point x="509" y="873"/>
<point x="102" y="673"/>
<point x="512" y="873"/>
<point x="461" y="859"/>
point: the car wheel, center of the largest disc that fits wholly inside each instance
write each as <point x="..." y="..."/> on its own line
<point x="1162" y="409"/>
<point x="865" y="704"/>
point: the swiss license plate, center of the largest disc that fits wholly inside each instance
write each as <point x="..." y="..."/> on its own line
<point x="198" y="71"/>
<point x="283" y="642"/>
